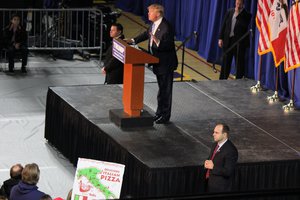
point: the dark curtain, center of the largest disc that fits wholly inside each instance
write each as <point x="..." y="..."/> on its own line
<point x="206" y="17"/>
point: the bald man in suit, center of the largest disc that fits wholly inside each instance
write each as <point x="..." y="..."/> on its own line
<point x="221" y="163"/>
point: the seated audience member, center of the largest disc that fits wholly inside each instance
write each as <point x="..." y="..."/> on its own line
<point x="15" y="40"/>
<point x="27" y="189"/>
<point x="15" y="177"/>
<point x="113" y="68"/>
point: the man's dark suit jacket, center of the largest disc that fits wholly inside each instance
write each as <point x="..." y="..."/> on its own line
<point x="240" y="28"/>
<point x="113" y="67"/>
<point x="220" y="178"/>
<point x="165" y="51"/>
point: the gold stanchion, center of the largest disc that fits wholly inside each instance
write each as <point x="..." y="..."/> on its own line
<point x="256" y="88"/>
<point x="290" y="106"/>
<point x="273" y="98"/>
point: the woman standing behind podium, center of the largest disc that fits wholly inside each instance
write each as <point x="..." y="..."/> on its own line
<point x="113" y="68"/>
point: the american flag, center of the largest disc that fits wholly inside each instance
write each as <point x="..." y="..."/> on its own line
<point x="292" y="44"/>
<point x="262" y="16"/>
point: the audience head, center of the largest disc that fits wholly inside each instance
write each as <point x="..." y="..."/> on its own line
<point x="16" y="171"/>
<point x="155" y="12"/>
<point x="221" y="132"/>
<point x="46" y="197"/>
<point x="31" y="174"/>
<point x="116" y="30"/>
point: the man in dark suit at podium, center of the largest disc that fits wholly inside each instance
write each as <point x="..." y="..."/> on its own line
<point x="235" y="26"/>
<point x="161" y="45"/>
<point x="221" y="163"/>
<point x="113" y="68"/>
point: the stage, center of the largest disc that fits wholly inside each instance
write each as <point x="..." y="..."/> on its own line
<point x="167" y="160"/>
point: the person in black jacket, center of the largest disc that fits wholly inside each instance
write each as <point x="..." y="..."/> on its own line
<point x="15" y="39"/>
<point x="234" y="26"/>
<point x="113" y="68"/>
<point x="221" y="163"/>
<point x="27" y="188"/>
<point x="160" y="36"/>
<point x="15" y="177"/>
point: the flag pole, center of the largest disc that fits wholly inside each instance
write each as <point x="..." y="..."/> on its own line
<point x="274" y="97"/>
<point x="290" y="105"/>
<point x="257" y="87"/>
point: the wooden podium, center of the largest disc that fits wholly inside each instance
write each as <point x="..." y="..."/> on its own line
<point x="134" y="61"/>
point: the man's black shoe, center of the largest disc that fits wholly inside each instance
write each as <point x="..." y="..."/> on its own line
<point x="162" y="120"/>
<point x="156" y="117"/>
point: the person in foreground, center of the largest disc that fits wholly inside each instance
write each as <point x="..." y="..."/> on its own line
<point x="27" y="189"/>
<point x="113" y="68"/>
<point x="15" y="177"/>
<point x="234" y="27"/>
<point x="221" y="163"/>
<point x="15" y="40"/>
<point x="160" y="36"/>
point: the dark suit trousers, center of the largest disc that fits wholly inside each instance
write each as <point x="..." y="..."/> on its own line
<point x="239" y="55"/>
<point x="11" y="53"/>
<point x="164" y="96"/>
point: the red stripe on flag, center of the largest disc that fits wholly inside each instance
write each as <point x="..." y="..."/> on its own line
<point x="292" y="46"/>
<point x="263" y="11"/>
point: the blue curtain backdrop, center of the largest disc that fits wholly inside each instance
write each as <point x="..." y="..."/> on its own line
<point x="205" y="17"/>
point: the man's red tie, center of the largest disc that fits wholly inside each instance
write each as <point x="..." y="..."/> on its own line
<point x="212" y="157"/>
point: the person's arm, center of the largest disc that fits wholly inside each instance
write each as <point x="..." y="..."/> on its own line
<point x="142" y="37"/>
<point x="23" y="37"/>
<point x="222" y="31"/>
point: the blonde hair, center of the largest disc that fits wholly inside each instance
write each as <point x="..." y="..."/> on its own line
<point x="159" y="8"/>
<point x="31" y="174"/>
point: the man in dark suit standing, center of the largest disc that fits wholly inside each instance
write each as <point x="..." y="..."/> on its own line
<point x="234" y="27"/>
<point x="221" y="162"/>
<point x="113" y="68"/>
<point x="161" y="45"/>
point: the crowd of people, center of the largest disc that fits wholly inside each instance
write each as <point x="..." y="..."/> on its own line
<point x="22" y="184"/>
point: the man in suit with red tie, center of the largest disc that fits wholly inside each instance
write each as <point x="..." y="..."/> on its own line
<point x="161" y="45"/>
<point x="221" y="163"/>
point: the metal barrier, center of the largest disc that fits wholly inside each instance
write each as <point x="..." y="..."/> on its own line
<point x="60" y="29"/>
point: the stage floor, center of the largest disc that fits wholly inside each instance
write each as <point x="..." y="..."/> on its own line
<point x="262" y="132"/>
